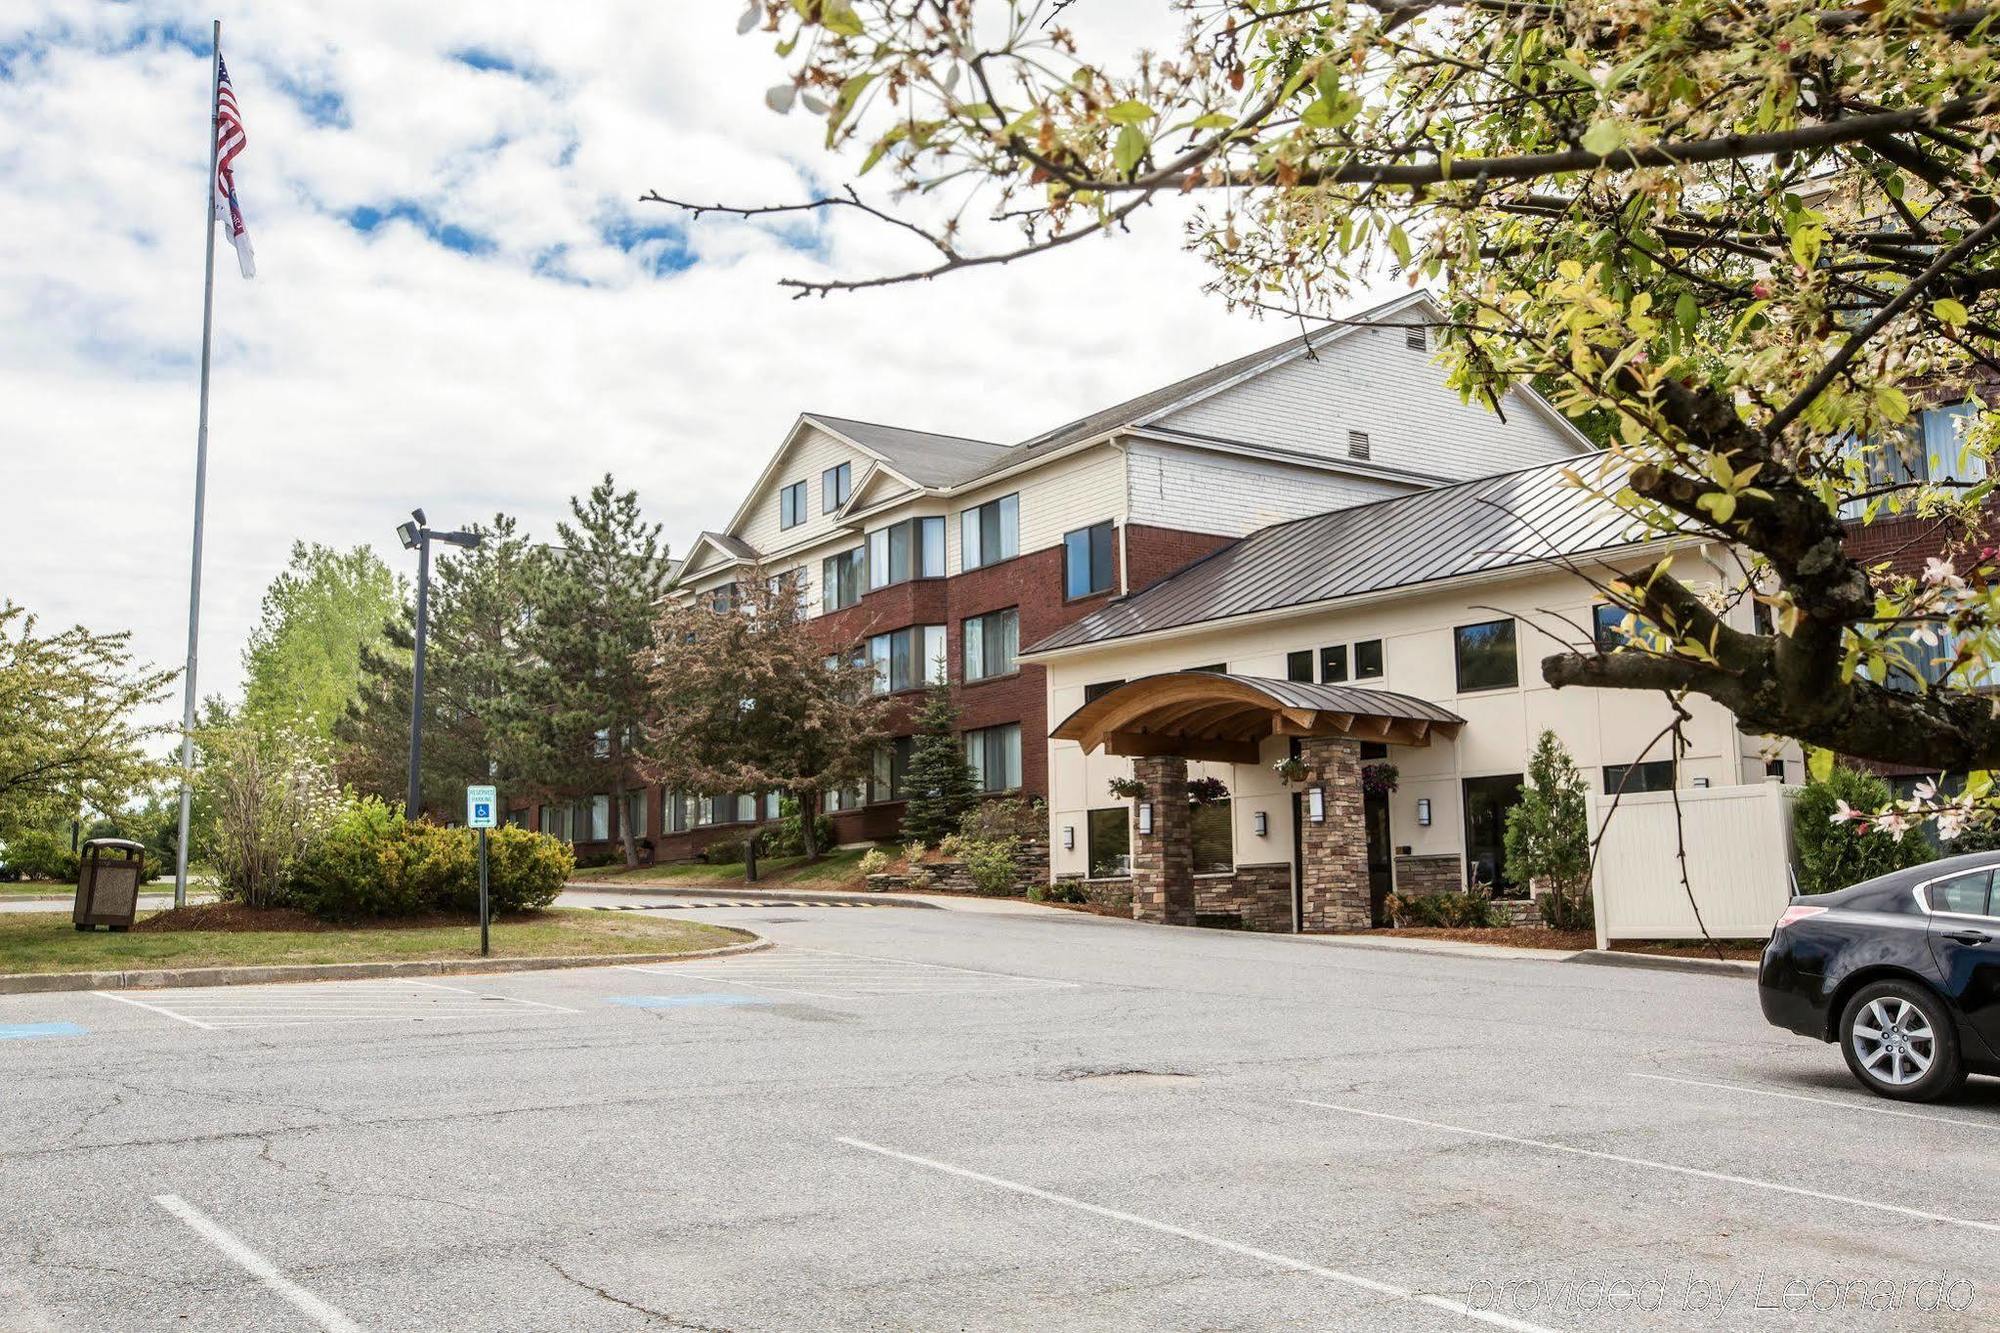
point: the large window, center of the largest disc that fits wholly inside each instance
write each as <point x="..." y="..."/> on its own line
<point x="792" y="505"/>
<point x="1108" y="842"/>
<point x="892" y="768"/>
<point x="841" y="577"/>
<point x="1487" y="801"/>
<point x="1631" y="779"/>
<point x="835" y="485"/>
<point x="1087" y="561"/>
<point x="599" y="814"/>
<point x="908" y="659"/>
<point x="994" y="755"/>
<point x="635" y="813"/>
<point x="1486" y="659"/>
<point x="912" y="549"/>
<point x="1214" y="841"/>
<point x="555" y="821"/>
<point x="991" y="641"/>
<point x="991" y="533"/>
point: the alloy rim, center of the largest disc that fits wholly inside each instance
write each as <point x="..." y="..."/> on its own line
<point x="1894" y="1041"/>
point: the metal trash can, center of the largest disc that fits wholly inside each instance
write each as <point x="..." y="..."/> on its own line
<point x="107" y="891"/>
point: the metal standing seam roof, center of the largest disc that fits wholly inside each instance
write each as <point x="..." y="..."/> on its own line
<point x="1347" y="699"/>
<point x="1514" y="519"/>
<point x="924" y="457"/>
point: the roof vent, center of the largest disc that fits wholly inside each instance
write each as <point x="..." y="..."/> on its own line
<point x="1357" y="444"/>
<point x="1417" y="338"/>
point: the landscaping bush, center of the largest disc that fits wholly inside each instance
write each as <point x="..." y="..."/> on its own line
<point x="1548" y="836"/>
<point x="1062" y="891"/>
<point x="789" y="837"/>
<point x="1833" y="855"/>
<point x="875" y="861"/>
<point x="42" y="854"/>
<point x="724" y="852"/>
<point x="371" y="862"/>
<point x="1450" y="910"/>
<point x="990" y="862"/>
<point x="1005" y="817"/>
<point x="1567" y="913"/>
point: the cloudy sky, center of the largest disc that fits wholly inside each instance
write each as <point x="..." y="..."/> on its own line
<point x="458" y="304"/>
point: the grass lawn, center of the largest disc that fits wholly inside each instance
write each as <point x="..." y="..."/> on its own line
<point x="839" y="869"/>
<point x="47" y="942"/>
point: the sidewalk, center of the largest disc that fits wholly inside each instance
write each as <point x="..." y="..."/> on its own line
<point x="950" y="902"/>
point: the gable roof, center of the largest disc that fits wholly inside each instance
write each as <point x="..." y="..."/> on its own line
<point x="733" y="550"/>
<point x="1515" y="519"/>
<point x="921" y="457"/>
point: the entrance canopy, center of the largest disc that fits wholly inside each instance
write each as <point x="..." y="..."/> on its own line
<point x="1209" y="716"/>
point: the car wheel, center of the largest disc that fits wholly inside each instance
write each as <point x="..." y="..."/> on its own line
<point x="1899" y="1041"/>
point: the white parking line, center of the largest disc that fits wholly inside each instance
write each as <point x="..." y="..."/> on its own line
<point x="1201" y="1238"/>
<point x="829" y="975"/>
<point x="1723" y="1177"/>
<point x="307" y="1304"/>
<point x="487" y="995"/>
<point x="1842" y="1103"/>
<point x="178" y="1018"/>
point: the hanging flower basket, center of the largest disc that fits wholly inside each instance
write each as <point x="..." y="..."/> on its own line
<point x="1128" y="789"/>
<point x="1379" y="779"/>
<point x="1291" y="770"/>
<point x="1207" y="791"/>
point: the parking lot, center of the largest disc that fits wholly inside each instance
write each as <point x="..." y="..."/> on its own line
<point x="944" y="1119"/>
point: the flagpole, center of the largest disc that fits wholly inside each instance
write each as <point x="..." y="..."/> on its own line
<point x="200" y="470"/>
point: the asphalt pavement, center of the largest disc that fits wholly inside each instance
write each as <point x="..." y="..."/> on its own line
<point x="910" y="1118"/>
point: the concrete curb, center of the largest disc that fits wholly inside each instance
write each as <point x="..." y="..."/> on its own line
<point x="1726" y="967"/>
<point x="743" y="891"/>
<point x="35" y="983"/>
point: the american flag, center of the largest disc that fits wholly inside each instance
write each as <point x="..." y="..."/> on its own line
<point x="229" y="141"/>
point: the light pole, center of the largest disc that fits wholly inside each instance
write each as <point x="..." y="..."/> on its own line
<point x="417" y="536"/>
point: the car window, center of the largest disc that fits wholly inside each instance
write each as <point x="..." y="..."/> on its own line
<point x="1961" y="893"/>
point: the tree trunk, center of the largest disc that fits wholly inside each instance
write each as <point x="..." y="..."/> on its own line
<point x="622" y="812"/>
<point x="808" y="803"/>
<point x="750" y="856"/>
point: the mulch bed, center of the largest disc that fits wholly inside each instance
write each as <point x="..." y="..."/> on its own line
<point x="235" y="918"/>
<point x="1514" y="937"/>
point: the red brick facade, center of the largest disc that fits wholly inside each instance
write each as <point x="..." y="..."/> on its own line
<point x="1032" y="583"/>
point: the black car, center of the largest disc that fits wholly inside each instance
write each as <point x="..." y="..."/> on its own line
<point x="1903" y="970"/>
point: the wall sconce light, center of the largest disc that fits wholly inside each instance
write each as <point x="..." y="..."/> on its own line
<point x="1263" y="824"/>
<point x="1069" y="837"/>
<point x="1424" y="811"/>
<point x="1316" y="804"/>
<point x="1146" y="818"/>
<point x="1701" y="782"/>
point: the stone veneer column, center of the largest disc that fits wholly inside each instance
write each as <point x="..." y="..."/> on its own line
<point x="1163" y="860"/>
<point x="1335" y="854"/>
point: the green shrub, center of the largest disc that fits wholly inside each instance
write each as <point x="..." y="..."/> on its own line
<point x="42" y="854"/>
<point x="1062" y="891"/>
<point x="1834" y="855"/>
<point x="370" y="862"/>
<point x="789" y="837"/>
<point x="725" y="852"/>
<point x="991" y="864"/>
<point x="1567" y="913"/>
<point x="1547" y="836"/>
<point x="1450" y="910"/>
<point x="875" y="861"/>
<point x="1005" y="817"/>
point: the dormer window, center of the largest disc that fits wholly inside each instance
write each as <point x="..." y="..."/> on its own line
<point x="792" y="505"/>
<point x="835" y="485"/>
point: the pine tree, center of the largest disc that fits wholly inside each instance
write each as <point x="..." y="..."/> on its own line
<point x="939" y="780"/>
<point x="1548" y="834"/>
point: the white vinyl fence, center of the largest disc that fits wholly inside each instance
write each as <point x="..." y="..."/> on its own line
<point x="1739" y="858"/>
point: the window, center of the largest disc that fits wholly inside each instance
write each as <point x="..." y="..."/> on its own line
<point x="1299" y="665"/>
<point x="991" y="641"/>
<point x="1417" y="338"/>
<point x="994" y="755"/>
<point x="746" y="807"/>
<point x="635" y="813"/>
<point x="1087" y="561"/>
<point x="1092" y="693"/>
<point x="1108" y="842"/>
<point x="1609" y="624"/>
<point x="1367" y="659"/>
<point x="912" y="549"/>
<point x="1485" y="653"/>
<point x="908" y="659"/>
<point x="1373" y="750"/>
<point x="1487" y="801"/>
<point x="600" y="818"/>
<point x="1333" y="663"/>
<point x="1213" y="668"/>
<point x="1357" y="444"/>
<point x="991" y="533"/>
<point x="555" y="821"/>
<point x="841" y="577"/>
<point x="723" y="598"/>
<point x="1966" y="894"/>
<point x="704" y="810"/>
<point x="892" y="769"/>
<point x="1631" y="779"/>
<point x="792" y="505"/>
<point x="673" y="812"/>
<point x="835" y="485"/>
<point x="1214" y="840"/>
<point x="1774" y="768"/>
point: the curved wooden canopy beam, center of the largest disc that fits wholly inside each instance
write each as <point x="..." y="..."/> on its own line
<point x="1206" y="715"/>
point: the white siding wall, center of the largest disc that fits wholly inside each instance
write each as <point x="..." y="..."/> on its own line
<point x="812" y="453"/>
<point x="1204" y="491"/>
<point x="1061" y="497"/>
<point x="1369" y="380"/>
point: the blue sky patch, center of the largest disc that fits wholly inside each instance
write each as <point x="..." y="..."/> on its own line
<point x="661" y="244"/>
<point x="684" y="1001"/>
<point x="488" y="61"/>
<point x="320" y="102"/>
<point x="368" y="218"/>
<point x="19" y="1031"/>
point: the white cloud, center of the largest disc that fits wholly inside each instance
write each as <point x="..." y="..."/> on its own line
<point x="362" y="373"/>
